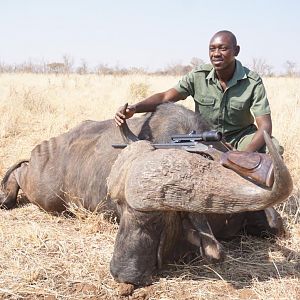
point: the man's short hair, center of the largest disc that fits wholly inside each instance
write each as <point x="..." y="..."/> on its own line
<point x="228" y="33"/>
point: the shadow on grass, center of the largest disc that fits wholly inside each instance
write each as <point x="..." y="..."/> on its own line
<point x="248" y="258"/>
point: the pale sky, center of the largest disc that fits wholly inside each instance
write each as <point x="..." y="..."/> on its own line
<point x="149" y="34"/>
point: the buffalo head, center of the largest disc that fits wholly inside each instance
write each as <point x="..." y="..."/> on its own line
<point x="158" y="191"/>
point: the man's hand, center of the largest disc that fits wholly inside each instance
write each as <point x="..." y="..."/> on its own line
<point x="121" y="115"/>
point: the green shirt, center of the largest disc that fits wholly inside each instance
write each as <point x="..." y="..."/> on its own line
<point x="230" y="111"/>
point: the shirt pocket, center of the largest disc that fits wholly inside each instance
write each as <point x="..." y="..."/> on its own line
<point x="206" y="100"/>
<point x="237" y="104"/>
<point x="207" y="107"/>
<point x="239" y="113"/>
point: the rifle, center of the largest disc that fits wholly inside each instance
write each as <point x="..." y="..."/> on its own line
<point x="255" y="166"/>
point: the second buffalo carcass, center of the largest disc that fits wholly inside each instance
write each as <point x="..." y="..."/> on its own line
<point x="166" y="200"/>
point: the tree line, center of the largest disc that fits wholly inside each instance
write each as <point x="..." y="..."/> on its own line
<point x="67" y="66"/>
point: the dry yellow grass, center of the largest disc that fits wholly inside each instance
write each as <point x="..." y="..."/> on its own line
<point x="47" y="257"/>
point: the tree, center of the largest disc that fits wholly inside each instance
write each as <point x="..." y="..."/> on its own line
<point x="68" y="62"/>
<point x="290" y="67"/>
<point x="196" y="61"/>
<point x="56" y="67"/>
<point x="261" y="67"/>
<point x="83" y="68"/>
<point x="177" y="69"/>
<point x="104" y="69"/>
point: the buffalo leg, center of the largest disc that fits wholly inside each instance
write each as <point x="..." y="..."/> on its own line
<point x="264" y="223"/>
<point x="10" y="186"/>
<point x="204" y="238"/>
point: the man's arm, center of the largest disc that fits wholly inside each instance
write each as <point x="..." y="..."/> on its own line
<point x="148" y="105"/>
<point x="263" y="122"/>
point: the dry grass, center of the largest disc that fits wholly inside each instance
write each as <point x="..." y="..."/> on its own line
<point x="47" y="257"/>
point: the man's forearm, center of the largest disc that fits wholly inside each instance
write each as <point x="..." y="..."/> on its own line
<point x="257" y="142"/>
<point x="149" y="104"/>
<point x="264" y="123"/>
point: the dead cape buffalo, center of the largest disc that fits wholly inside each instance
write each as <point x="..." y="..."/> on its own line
<point x="167" y="200"/>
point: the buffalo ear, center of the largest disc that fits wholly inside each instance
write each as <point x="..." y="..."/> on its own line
<point x="127" y="135"/>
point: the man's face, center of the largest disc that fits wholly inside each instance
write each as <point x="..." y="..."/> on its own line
<point x="222" y="51"/>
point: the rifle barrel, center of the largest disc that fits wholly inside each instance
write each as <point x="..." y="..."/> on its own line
<point x="160" y="146"/>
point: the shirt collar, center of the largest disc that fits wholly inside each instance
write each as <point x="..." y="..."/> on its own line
<point x="238" y="74"/>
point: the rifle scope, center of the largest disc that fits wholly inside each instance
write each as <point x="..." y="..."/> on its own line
<point x="206" y="136"/>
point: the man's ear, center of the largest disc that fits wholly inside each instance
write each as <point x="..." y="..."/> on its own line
<point x="237" y="50"/>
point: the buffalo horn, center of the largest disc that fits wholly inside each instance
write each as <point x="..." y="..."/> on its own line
<point x="172" y="179"/>
<point x="127" y="135"/>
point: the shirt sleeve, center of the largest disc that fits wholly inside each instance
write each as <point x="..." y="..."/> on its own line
<point x="260" y="104"/>
<point x="185" y="86"/>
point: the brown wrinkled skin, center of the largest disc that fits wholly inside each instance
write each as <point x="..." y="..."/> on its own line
<point x="74" y="167"/>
